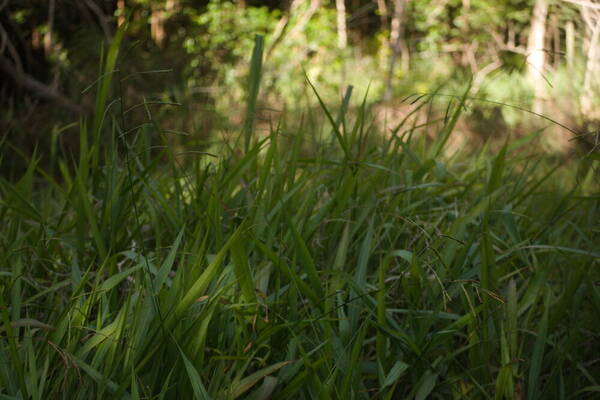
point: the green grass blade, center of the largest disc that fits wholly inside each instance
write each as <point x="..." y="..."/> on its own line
<point x="198" y="388"/>
<point x="242" y="271"/>
<point x="537" y="356"/>
<point x="199" y="287"/>
<point x="245" y="384"/>
<point x="253" y="87"/>
<point x="167" y="264"/>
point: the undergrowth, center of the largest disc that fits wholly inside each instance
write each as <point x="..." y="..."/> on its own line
<point x="297" y="265"/>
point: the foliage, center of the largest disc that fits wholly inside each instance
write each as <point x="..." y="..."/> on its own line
<point x="206" y="42"/>
<point x="347" y="265"/>
<point x="227" y="37"/>
<point x="228" y="31"/>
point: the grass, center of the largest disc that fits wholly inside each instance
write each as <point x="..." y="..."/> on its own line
<point x="364" y="266"/>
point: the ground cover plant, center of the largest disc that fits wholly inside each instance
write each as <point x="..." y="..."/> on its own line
<point x="317" y="261"/>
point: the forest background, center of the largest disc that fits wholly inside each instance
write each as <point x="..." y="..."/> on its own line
<point x="541" y="55"/>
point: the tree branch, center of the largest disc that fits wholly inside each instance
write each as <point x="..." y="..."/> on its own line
<point x="101" y="19"/>
<point x="7" y="44"/>
<point x="583" y="3"/>
<point x="37" y="87"/>
<point x="305" y="18"/>
<point x="502" y="46"/>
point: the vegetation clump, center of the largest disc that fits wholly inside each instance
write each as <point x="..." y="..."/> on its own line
<point x="320" y="260"/>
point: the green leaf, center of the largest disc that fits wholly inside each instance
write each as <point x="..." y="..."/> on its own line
<point x="167" y="265"/>
<point x="116" y="279"/>
<point x="451" y="124"/>
<point x="426" y="385"/>
<point x="242" y="386"/>
<point x="395" y="373"/>
<point x="497" y="171"/>
<point x="200" y="392"/>
<point x="201" y="284"/>
<point x="253" y="87"/>
<point x="290" y="274"/>
<point x="306" y="259"/>
<point x="334" y="125"/>
<point x="537" y="358"/>
<point x="242" y="271"/>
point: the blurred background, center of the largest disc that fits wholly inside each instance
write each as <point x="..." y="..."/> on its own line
<point x="540" y="55"/>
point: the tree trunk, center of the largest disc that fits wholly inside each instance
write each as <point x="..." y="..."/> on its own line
<point x="556" y="52"/>
<point x="158" y="19"/>
<point x="157" y="26"/>
<point x="341" y="24"/>
<point x="36" y="38"/>
<point x="570" y="43"/>
<point x="383" y="17"/>
<point x="340" y="7"/>
<point x="536" y="59"/>
<point x="397" y="45"/>
<point x="383" y="12"/>
<point x="48" y="39"/>
<point x="121" y="9"/>
<point x="592" y="69"/>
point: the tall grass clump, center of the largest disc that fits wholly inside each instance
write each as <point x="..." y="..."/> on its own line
<point x="300" y="267"/>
